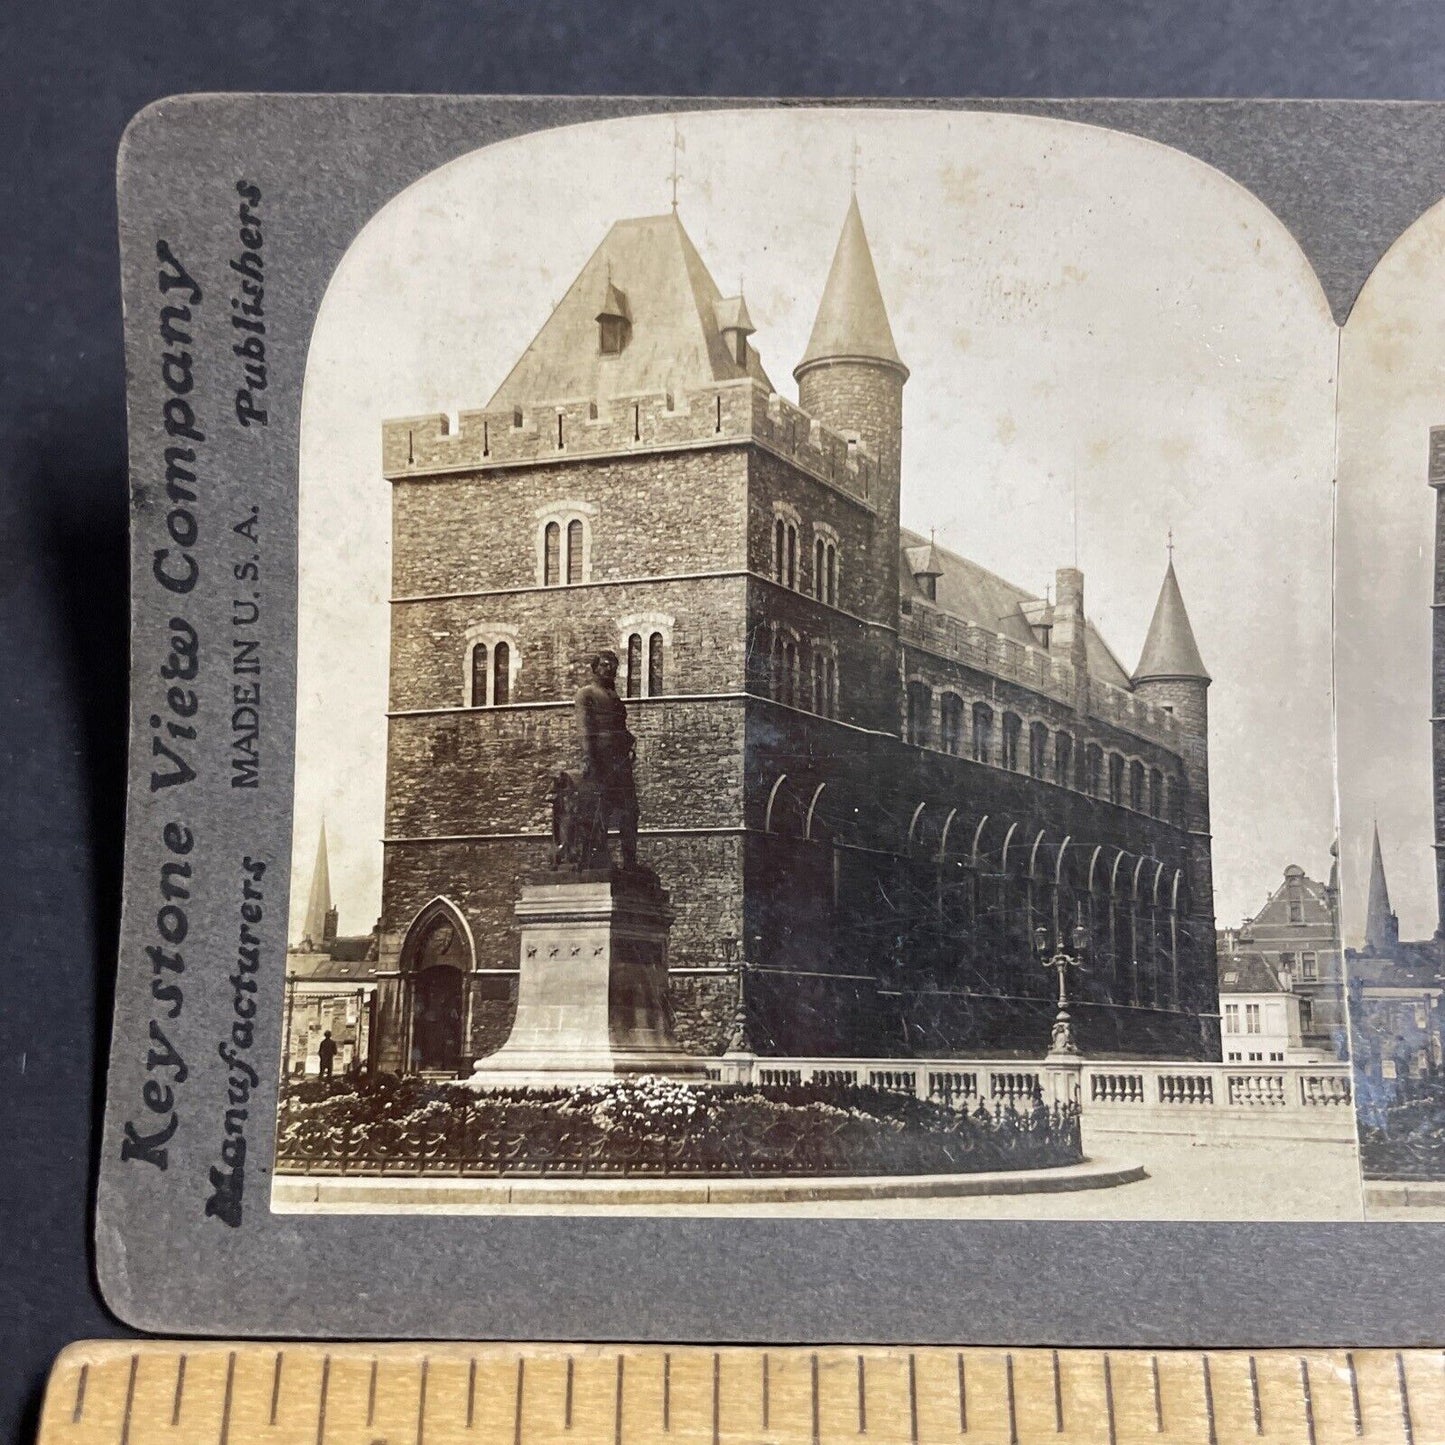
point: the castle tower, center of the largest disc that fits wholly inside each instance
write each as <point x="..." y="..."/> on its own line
<point x="851" y="379"/>
<point x="1437" y="670"/>
<point x="1382" y="927"/>
<point x="319" y="912"/>
<point x="1171" y="674"/>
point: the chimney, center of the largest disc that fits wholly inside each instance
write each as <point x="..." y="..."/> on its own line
<point x="1067" y="638"/>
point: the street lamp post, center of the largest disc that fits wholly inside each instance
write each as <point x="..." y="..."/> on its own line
<point x="1062" y="962"/>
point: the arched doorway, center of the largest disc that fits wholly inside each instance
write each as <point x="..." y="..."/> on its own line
<point x="436" y="964"/>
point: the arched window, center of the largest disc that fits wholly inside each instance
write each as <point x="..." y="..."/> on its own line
<point x="830" y="686"/>
<point x="479" y="675"/>
<point x="552" y="555"/>
<point x="780" y="550"/>
<point x="1093" y="770"/>
<point x="1064" y="759"/>
<point x="1176" y="800"/>
<point x="950" y="714"/>
<point x="501" y="675"/>
<point x="1012" y="728"/>
<point x="791" y="580"/>
<point x="574" y="551"/>
<point x="920" y="704"/>
<point x="1116" y="778"/>
<point x="1156" y="793"/>
<point x="1038" y="750"/>
<point x="820" y="570"/>
<point x="654" y="665"/>
<point x="982" y="733"/>
<point x="1136" y="786"/>
<point x="634" y="664"/>
<point x="820" y="683"/>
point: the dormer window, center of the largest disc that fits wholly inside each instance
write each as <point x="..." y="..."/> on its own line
<point x="735" y="326"/>
<point x="614" y="322"/>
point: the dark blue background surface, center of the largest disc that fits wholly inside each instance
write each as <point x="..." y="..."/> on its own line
<point x="71" y="76"/>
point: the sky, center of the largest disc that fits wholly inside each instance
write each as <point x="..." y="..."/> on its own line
<point x="1392" y="391"/>
<point x="1108" y="341"/>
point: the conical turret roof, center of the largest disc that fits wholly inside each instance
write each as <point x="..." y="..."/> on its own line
<point x="852" y="321"/>
<point x="1382" y="930"/>
<point x="318" y="903"/>
<point x="1170" y="650"/>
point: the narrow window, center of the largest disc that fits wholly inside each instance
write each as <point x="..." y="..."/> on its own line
<point x="832" y="688"/>
<point x="820" y="686"/>
<point x="479" y="675"/>
<point x="1251" y="1018"/>
<point x="1156" y="793"/>
<point x="1310" y="964"/>
<point x="517" y="417"/>
<point x="777" y="665"/>
<point x="1038" y="749"/>
<point x="832" y="595"/>
<point x="502" y="675"/>
<point x="1064" y="759"/>
<point x="950" y="715"/>
<point x="636" y="422"/>
<point x="780" y="549"/>
<point x="552" y="555"/>
<point x="634" y="665"/>
<point x="574" y="552"/>
<point x="1012" y="727"/>
<point x="559" y="431"/>
<point x="1136" y="786"/>
<point x="792" y="578"/>
<point x="790" y="675"/>
<point x="654" y="665"/>
<point x="1116" y="778"/>
<point x="1306" y="1016"/>
<point x="982" y="733"/>
<point x="820" y="579"/>
<point x="920" y="704"/>
<point x="718" y="426"/>
<point x="1231" y="1018"/>
<point x="1093" y="770"/>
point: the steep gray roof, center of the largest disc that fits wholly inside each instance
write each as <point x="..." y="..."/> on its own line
<point x="1170" y="649"/>
<point x="648" y="270"/>
<point x="852" y="321"/>
<point x="974" y="594"/>
<point x="1247" y="973"/>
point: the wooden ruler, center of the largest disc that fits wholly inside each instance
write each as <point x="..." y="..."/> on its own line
<point x="203" y="1393"/>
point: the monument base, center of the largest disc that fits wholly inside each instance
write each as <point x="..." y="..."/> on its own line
<point x="592" y="1000"/>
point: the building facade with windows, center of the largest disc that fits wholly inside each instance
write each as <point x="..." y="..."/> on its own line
<point x="868" y="768"/>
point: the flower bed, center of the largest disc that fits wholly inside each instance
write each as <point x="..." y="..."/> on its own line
<point x="658" y="1128"/>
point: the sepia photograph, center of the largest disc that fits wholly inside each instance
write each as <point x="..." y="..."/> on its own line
<point x="814" y="688"/>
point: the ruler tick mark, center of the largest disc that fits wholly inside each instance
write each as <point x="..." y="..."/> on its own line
<point x="1254" y="1396"/>
<point x="1013" y="1419"/>
<point x="617" y="1409"/>
<point x="567" y="1407"/>
<point x="962" y="1397"/>
<point x="1405" y="1419"/>
<point x="371" y="1396"/>
<point x="1158" y="1399"/>
<point x="1304" y="1382"/>
<point x="716" y="1396"/>
<point x="817" y="1433"/>
<point x="1058" y="1395"/>
<point x="180" y="1386"/>
<point x="321" y="1406"/>
<point x="862" y="1400"/>
<point x="421" y="1400"/>
<point x="765" y="1389"/>
<point x="1109" y="1400"/>
<point x="472" y="1388"/>
<point x="666" y="1392"/>
<point x="913" y="1399"/>
<point x="276" y="1387"/>
<point x="1209" y="1401"/>
<point x="517" y="1412"/>
<point x="1354" y="1394"/>
<point x="129" y="1400"/>
<point x="226" y="1399"/>
<point x="78" y="1409"/>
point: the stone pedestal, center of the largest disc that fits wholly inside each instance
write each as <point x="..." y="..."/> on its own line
<point x="592" y="999"/>
<point x="1063" y="1077"/>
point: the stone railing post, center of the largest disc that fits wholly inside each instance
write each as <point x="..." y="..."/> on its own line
<point x="1063" y="1079"/>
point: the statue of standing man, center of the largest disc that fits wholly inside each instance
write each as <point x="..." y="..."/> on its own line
<point x="606" y="795"/>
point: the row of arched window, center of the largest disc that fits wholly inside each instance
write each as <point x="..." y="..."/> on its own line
<point x="493" y="660"/>
<point x="978" y="732"/>
<point x="788" y="562"/>
<point x="803" y="677"/>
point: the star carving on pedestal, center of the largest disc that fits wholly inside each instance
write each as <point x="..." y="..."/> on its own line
<point x="597" y="952"/>
<point x="553" y="951"/>
<point x="531" y="950"/>
<point x="576" y="949"/>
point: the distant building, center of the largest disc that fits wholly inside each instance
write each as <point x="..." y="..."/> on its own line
<point x="330" y="985"/>
<point x="1289" y="960"/>
<point x="1395" y="993"/>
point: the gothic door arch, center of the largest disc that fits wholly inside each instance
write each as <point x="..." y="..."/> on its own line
<point x="436" y="964"/>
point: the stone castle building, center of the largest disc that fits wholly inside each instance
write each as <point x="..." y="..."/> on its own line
<point x="869" y="770"/>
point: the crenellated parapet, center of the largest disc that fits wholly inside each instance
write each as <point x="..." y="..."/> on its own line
<point x="1039" y="671"/>
<point x="724" y="414"/>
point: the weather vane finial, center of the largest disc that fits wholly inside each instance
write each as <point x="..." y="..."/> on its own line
<point x="1170" y="545"/>
<point x="853" y="168"/>
<point x="678" y="146"/>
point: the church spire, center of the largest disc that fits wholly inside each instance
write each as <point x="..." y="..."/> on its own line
<point x="318" y="902"/>
<point x="1382" y="928"/>
<point x="1170" y="650"/>
<point x="852" y="321"/>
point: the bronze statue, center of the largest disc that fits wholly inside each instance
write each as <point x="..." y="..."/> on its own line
<point x="605" y="795"/>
